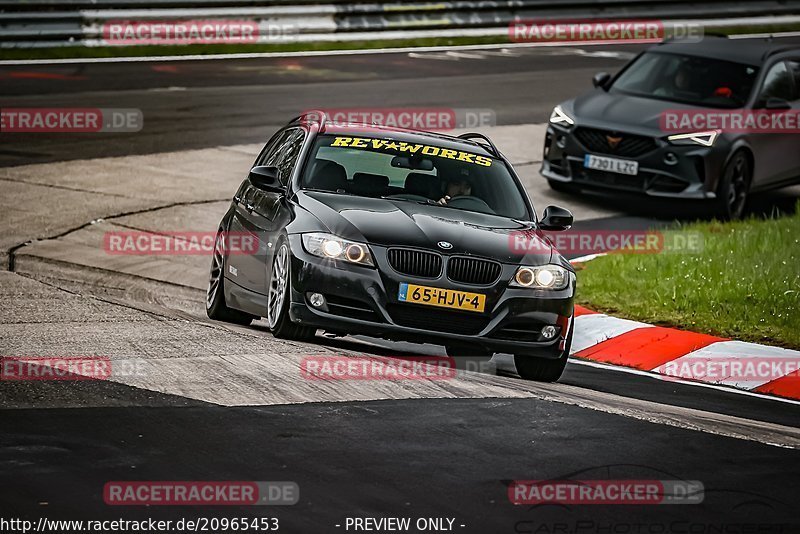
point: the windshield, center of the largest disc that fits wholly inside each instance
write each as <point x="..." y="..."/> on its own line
<point x="386" y="168"/>
<point x="688" y="80"/>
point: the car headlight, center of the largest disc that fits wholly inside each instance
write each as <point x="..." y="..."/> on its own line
<point x="543" y="277"/>
<point x="696" y="138"/>
<point x="332" y="247"/>
<point x="559" y="117"/>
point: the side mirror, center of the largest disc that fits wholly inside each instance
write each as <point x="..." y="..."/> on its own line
<point x="776" y="103"/>
<point x="555" y="219"/>
<point x="265" y="178"/>
<point x="601" y="79"/>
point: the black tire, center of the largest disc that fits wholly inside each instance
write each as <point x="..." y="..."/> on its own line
<point x="278" y="297"/>
<point x="216" y="308"/>
<point x="561" y="187"/>
<point x="733" y="188"/>
<point x="543" y="369"/>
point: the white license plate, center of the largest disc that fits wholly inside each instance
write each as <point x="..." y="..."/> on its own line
<point x="620" y="166"/>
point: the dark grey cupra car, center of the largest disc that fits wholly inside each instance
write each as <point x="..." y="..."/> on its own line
<point x="614" y="137"/>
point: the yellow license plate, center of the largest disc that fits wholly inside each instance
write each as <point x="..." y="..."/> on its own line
<point x="444" y="298"/>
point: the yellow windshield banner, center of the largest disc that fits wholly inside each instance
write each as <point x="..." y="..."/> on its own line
<point x="402" y="146"/>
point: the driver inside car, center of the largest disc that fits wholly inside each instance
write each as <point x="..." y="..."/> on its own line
<point x="456" y="188"/>
<point x="679" y="84"/>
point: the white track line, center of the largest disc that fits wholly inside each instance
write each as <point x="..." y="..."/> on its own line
<point x="507" y="364"/>
<point x="763" y="35"/>
<point x="664" y="378"/>
<point x="308" y="53"/>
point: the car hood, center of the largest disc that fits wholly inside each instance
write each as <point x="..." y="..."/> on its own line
<point x="616" y="111"/>
<point x="402" y="223"/>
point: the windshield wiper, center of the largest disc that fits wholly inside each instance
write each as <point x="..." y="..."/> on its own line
<point x="428" y="202"/>
<point x="337" y="192"/>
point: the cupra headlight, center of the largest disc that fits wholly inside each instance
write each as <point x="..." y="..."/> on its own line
<point x="559" y="117"/>
<point x="696" y="138"/>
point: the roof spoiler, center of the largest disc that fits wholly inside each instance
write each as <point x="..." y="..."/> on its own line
<point x="313" y="116"/>
<point x="473" y="135"/>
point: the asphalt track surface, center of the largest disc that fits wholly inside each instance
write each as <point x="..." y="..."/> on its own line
<point x="408" y="457"/>
<point x="210" y="103"/>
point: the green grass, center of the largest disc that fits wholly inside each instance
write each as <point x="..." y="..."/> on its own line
<point x="178" y="50"/>
<point x="745" y="284"/>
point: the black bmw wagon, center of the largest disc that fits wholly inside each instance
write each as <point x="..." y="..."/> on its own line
<point x="396" y="234"/>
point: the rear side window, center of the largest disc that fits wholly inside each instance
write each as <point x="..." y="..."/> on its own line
<point x="283" y="152"/>
<point x="778" y="83"/>
<point x="270" y="148"/>
<point x="794" y="70"/>
<point x="290" y="151"/>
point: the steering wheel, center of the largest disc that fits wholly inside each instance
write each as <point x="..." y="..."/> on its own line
<point x="470" y="202"/>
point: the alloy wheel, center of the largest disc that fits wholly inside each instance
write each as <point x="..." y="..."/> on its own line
<point x="737" y="190"/>
<point x="277" y="286"/>
<point x="215" y="275"/>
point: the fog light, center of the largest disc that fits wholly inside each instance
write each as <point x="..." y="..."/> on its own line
<point x="318" y="300"/>
<point x="670" y="158"/>
<point x="561" y="141"/>
<point x="549" y="332"/>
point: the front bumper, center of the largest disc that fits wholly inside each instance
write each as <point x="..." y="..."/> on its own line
<point x="363" y="300"/>
<point x="692" y="173"/>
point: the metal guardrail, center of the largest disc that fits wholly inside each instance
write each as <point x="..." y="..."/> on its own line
<point x="50" y="23"/>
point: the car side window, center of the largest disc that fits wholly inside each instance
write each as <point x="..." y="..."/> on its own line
<point x="778" y="83"/>
<point x="794" y="70"/>
<point x="273" y="148"/>
<point x="290" y="154"/>
<point x="285" y="153"/>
